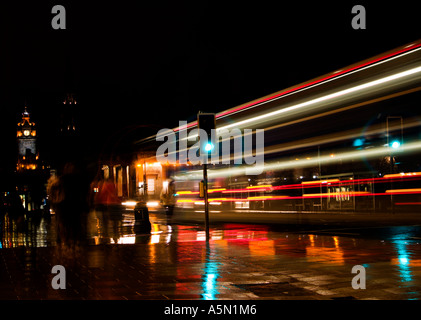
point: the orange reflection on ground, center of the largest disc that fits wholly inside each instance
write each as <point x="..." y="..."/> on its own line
<point x="329" y="252"/>
<point x="262" y="248"/>
<point x="408" y="262"/>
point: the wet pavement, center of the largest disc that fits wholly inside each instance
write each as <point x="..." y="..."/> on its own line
<point x="240" y="261"/>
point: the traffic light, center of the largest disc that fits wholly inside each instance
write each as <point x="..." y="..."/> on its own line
<point x="206" y="122"/>
<point x="395" y="139"/>
<point x="395" y="144"/>
<point x="394" y="132"/>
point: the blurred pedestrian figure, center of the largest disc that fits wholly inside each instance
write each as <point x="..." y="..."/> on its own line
<point x="108" y="207"/>
<point x="168" y="198"/>
<point x="68" y="196"/>
<point x="106" y="196"/>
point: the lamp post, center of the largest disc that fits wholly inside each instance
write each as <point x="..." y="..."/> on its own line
<point x="206" y="198"/>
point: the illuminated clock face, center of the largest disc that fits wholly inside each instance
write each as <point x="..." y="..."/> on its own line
<point x="26" y="132"/>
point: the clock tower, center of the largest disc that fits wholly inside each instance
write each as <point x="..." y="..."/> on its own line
<point x="26" y="136"/>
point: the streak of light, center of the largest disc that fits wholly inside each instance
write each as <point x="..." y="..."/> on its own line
<point x="403" y="191"/>
<point x="329" y="138"/>
<point x="266" y="198"/>
<point x="283" y="165"/>
<point x="376" y="61"/>
<point x="320" y="181"/>
<point x="311" y="84"/>
<point x="312" y="184"/>
<point x="197" y="192"/>
<point x="341" y="93"/>
<point x="152" y="204"/>
<point x="402" y="175"/>
<point x="350" y="107"/>
<point x="348" y="193"/>
<point x="332" y="137"/>
<point x="259" y="187"/>
<point x="216" y="190"/>
<point x="129" y="203"/>
<point x="187" y="192"/>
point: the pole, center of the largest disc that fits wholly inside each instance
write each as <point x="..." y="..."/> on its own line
<point x="205" y="189"/>
<point x="392" y="171"/>
<point x="206" y="123"/>
<point x="392" y="160"/>
<point x="320" y="175"/>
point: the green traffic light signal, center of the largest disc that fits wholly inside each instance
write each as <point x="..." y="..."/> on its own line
<point x="395" y="144"/>
<point x="206" y="122"/>
<point x="208" y="147"/>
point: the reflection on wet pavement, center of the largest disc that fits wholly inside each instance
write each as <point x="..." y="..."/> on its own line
<point x="29" y="232"/>
<point x="176" y="262"/>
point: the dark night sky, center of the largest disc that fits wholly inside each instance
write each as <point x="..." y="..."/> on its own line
<point x="156" y="62"/>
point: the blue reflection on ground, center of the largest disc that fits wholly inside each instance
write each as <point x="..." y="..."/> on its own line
<point x="403" y="260"/>
<point x="210" y="279"/>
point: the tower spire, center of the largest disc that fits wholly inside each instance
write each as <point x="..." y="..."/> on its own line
<point x="26" y="136"/>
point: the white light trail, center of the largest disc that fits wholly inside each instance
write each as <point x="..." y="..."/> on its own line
<point x="308" y="87"/>
<point x="290" y="164"/>
<point x="341" y="93"/>
<point x="323" y="82"/>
